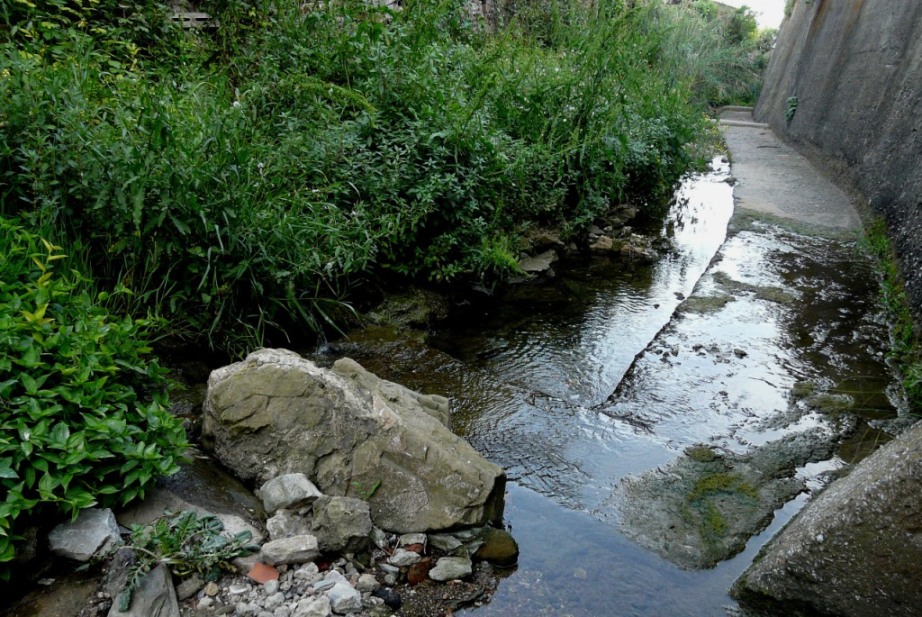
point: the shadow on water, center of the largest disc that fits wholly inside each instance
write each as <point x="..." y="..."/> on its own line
<point x="574" y="383"/>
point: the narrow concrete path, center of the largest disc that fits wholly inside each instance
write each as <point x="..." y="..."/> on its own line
<point x="774" y="180"/>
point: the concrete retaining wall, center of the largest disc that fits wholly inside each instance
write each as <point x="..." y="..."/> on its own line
<point x="854" y="68"/>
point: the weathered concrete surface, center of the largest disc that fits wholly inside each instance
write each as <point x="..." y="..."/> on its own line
<point x="773" y="179"/>
<point x="856" y="550"/>
<point x="854" y="68"/>
<point x="352" y="434"/>
<point x="764" y="369"/>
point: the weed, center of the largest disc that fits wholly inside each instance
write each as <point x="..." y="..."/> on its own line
<point x="790" y="108"/>
<point x="188" y="544"/>
<point x="906" y="345"/>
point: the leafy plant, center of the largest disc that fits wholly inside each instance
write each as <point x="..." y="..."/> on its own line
<point x="790" y="108"/>
<point x="83" y="420"/>
<point x="188" y="544"/>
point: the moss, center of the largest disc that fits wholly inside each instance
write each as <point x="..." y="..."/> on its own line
<point x="706" y="304"/>
<point x="768" y="293"/>
<point x="803" y="389"/>
<point x="722" y="482"/>
<point x="702" y="454"/>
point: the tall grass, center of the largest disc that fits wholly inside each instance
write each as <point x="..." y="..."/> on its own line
<point x="238" y="181"/>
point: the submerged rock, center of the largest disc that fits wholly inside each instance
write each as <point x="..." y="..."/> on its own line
<point x="855" y="550"/>
<point x="705" y="507"/>
<point x="352" y="434"/>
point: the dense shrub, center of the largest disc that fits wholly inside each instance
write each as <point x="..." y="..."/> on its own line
<point x="82" y="416"/>
<point x="238" y="180"/>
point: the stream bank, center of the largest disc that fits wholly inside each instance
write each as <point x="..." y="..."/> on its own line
<point x="592" y="386"/>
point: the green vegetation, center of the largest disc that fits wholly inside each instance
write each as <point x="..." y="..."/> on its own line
<point x="907" y="344"/>
<point x="241" y="180"/>
<point x="188" y="544"/>
<point x="790" y="108"/>
<point x="82" y="416"/>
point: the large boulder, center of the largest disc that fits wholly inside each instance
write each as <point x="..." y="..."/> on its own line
<point x="352" y="434"/>
<point x="855" y="550"/>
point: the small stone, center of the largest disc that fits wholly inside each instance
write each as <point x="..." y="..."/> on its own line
<point x="237" y="589"/>
<point x="313" y="607"/>
<point x="245" y="609"/>
<point x="307" y="571"/>
<point x="270" y="587"/>
<point x="391" y="598"/>
<point x="282" y="611"/>
<point x="408" y="539"/>
<point x="386" y="567"/>
<point x="274" y="600"/>
<point x="402" y="558"/>
<point x="291" y="490"/>
<point x="297" y="549"/>
<point x="740" y="353"/>
<point x="445" y="542"/>
<point x="323" y="585"/>
<point x="451" y="568"/>
<point x="262" y="573"/>
<point x="287" y="523"/>
<point x="335" y="576"/>
<point x="367" y="583"/>
<point x="204" y="603"/>
<point x="581" y="574"/>
<point x="212" y="589"/>
<point x="379" y="538"/>
<point x="418" y="572"/>
<point x="344" y="598"/>
<point x="189" y="587"/>
<point x="390" y="579"/>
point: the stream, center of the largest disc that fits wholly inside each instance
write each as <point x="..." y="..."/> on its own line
<point x="612" y="369"/>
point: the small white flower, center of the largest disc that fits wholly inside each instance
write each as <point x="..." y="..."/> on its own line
<point x="236" y="105"/>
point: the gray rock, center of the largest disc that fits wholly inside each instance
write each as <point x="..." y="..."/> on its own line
<point x="342" y="524"/>
<point x="290" y="490"/>
<point x="336" y="577"/>
<point x="854" y="550"/>
<point x="154" y="597"/>
<point x="344" y="598"/>
<point x="402" y="558"/>
<point x="189" y="587"/>
<point x="297" y="549"/>
<point x="379" y="538"/>
<point x="367" y="583"/>
<point x="538" y="263"/>
<point x="451" y="568"/>
<point x="287" y="523"/>
<point x="353" y="434"/>
<point x="408" y="539"/>
<point x="445" y="542"/>
<point x="313" y="607"/>
<point x="93" y="532"/>
<point x="499" y="547"/>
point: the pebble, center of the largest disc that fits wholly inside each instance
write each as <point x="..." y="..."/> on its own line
<point x="270" y="587"/>
<point x="212" y="589"/>
<point x="403" y="558"/>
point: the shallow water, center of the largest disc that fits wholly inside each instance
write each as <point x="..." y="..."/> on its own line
<point x="576" y="382"/>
